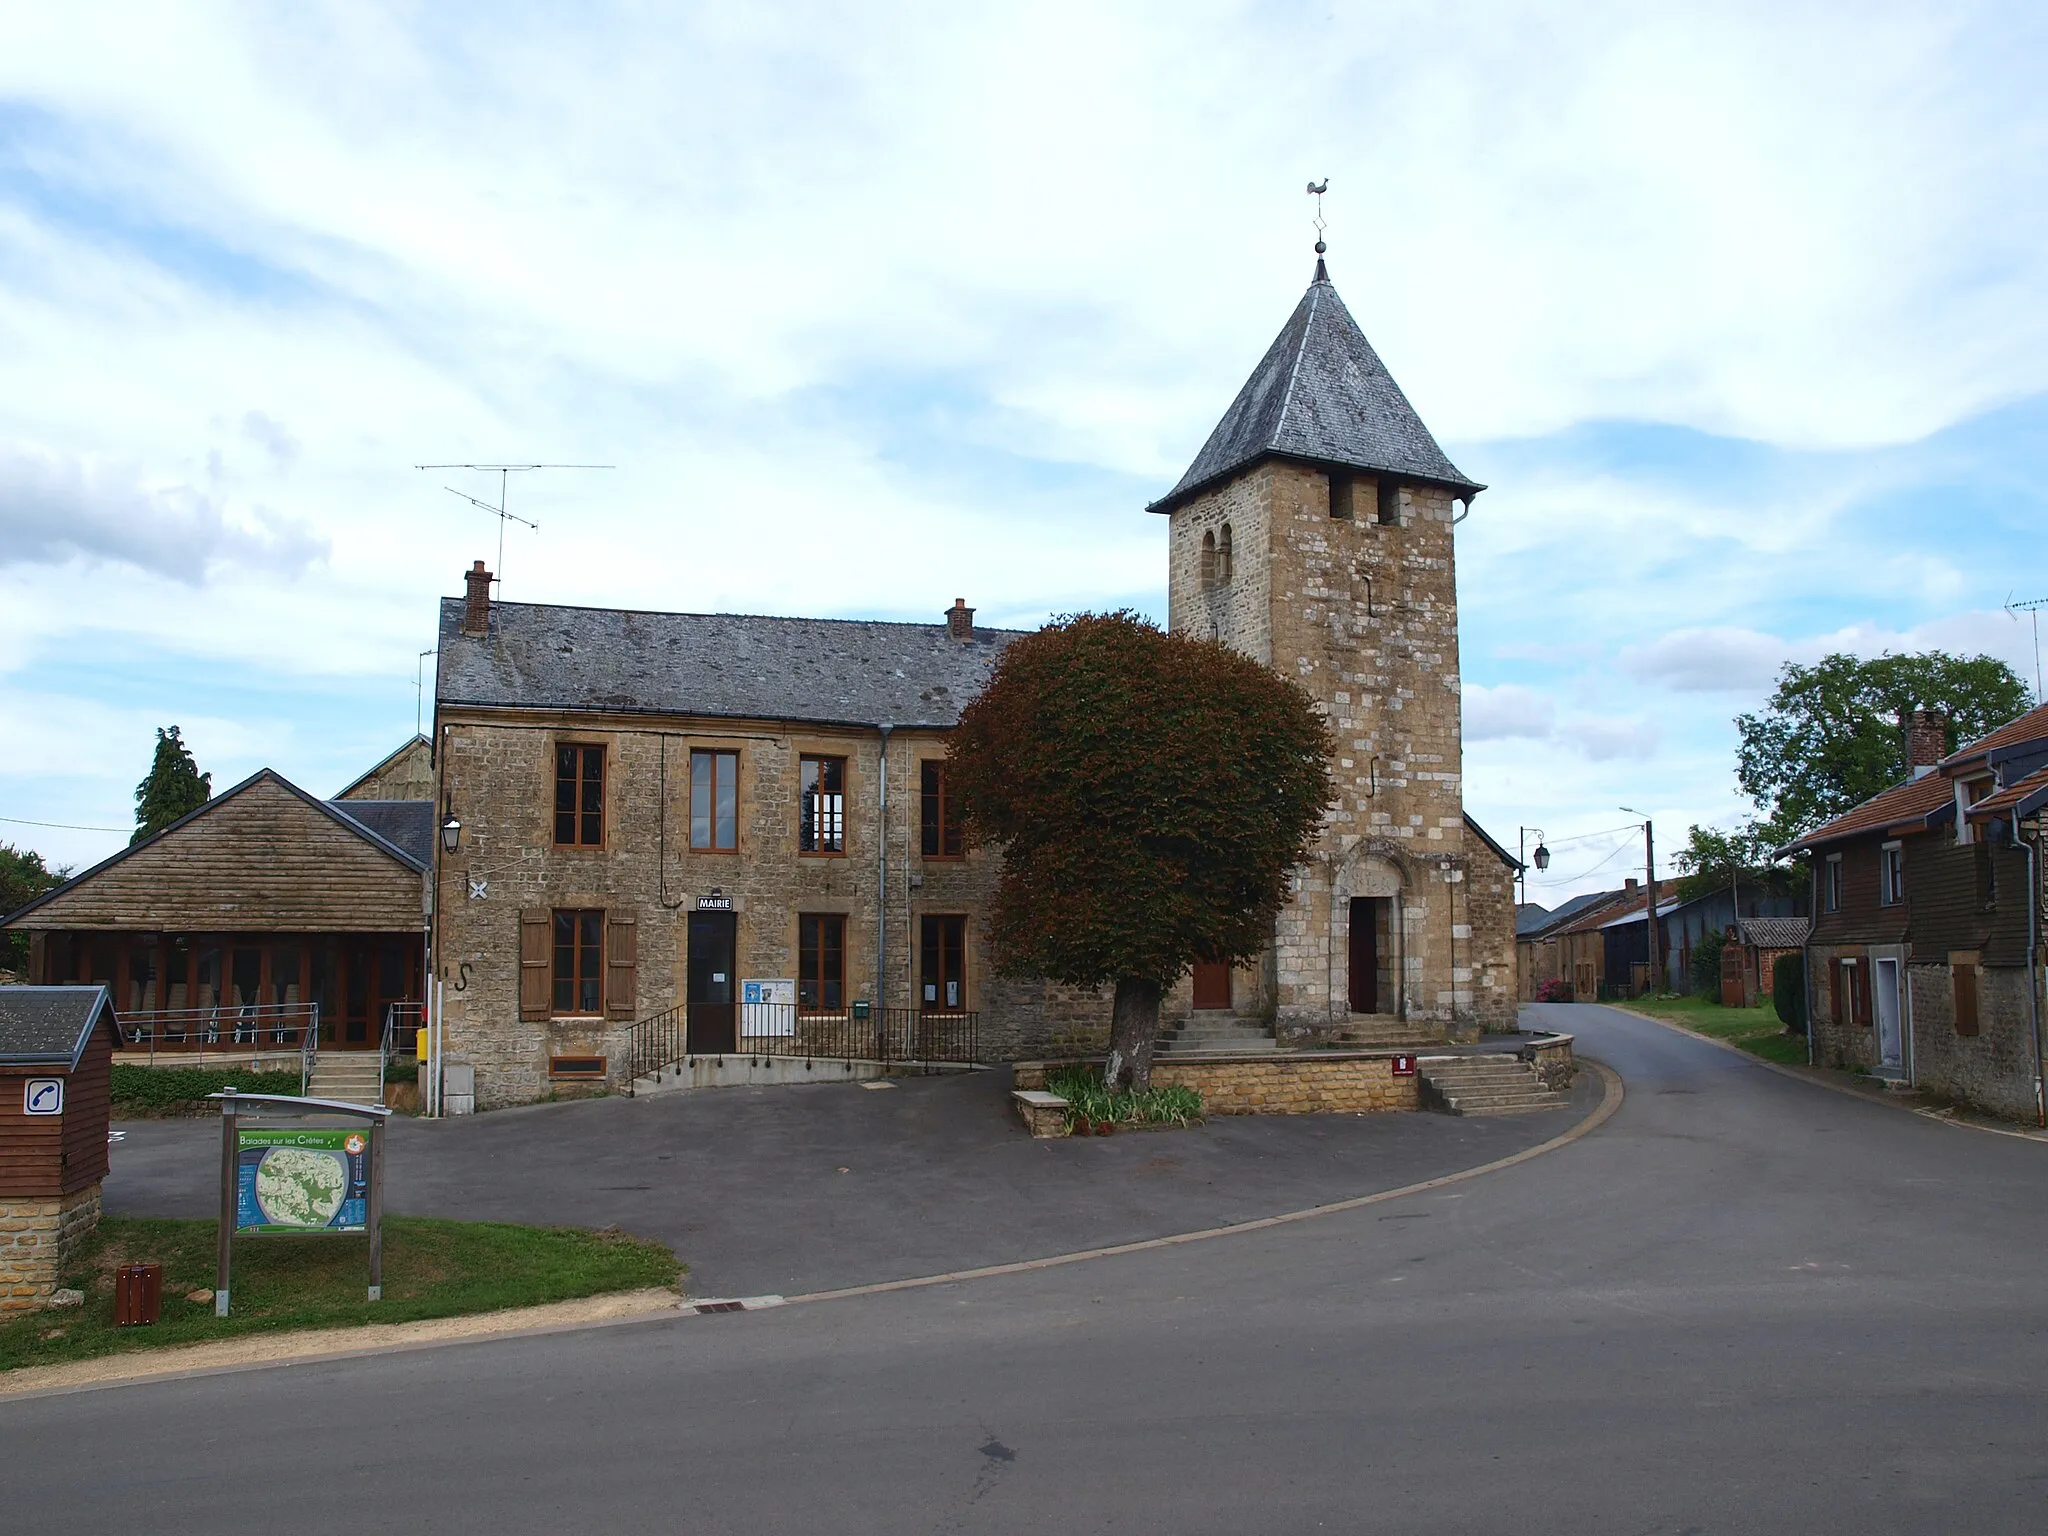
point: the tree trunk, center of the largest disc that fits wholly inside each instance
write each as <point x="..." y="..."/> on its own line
<point x="1133" y="1030"/>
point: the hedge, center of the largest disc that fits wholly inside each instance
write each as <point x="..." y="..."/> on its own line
<point x="1788" y="991"/>
<point x="142" y="1090"/>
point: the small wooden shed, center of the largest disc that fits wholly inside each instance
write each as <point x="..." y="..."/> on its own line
<point x="56" y="1097"/>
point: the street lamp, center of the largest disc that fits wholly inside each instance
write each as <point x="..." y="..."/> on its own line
<point x="1541" y="857"/>
<point x="451" y="834"/>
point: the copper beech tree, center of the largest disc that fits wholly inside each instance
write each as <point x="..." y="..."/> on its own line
<point x="1149" y="793"/>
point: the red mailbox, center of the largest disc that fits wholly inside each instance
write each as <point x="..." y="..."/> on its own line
<point x="1404" y="1066"/>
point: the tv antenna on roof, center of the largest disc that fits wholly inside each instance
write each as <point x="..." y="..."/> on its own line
<point x="504" y="472"/>
<point x="2032" y="609"/>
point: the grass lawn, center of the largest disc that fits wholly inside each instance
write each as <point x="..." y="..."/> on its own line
<point x="431" y="1269"/>
<point x="1755" y="1030"/>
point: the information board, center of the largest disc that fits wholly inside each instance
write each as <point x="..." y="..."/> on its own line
<point x="312" y="1180"/>
<point x="768" y="1007"/>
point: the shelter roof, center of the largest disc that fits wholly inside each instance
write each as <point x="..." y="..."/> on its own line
<point x="1775" y="932"/>
<point x="49" y="1026"/>
<point x="736" y="666"/>
<point x="2024" y="796"/>
<point x="1320" y="394"/>
<point x="369" y="834"/>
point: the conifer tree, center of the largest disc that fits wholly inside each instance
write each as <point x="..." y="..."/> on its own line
<point x="175" y="787"/>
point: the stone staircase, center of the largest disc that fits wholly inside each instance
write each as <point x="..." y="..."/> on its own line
<point x="351" y="1076"/>
<point x="1384" y="1032"/>
<point x="1495" y="1084"/>
<point x="1215" y="1032"/>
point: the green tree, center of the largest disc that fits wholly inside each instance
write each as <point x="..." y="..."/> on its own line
<point x="1149" y="792"/>
<point x="175" y="787"/>
<point x="1713" y="860"/>
<point x="23" y="877"/>
<point x="1830" y="736"/>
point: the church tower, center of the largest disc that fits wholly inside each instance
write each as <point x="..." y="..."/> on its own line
<point x="1314" y="531"/>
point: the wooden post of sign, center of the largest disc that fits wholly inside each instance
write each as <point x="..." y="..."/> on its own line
<point x="225" y="1243"/>
<point x="377" y="1209"/>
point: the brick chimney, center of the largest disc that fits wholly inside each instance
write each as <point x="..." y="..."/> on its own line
<point x="476" y="613"/>
<point x="960" y="620"/>
<point x="1628" y="886"/>
<point x="1926" y="740"/>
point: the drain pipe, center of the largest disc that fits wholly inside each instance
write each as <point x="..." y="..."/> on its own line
<point x="2034" y="964"/>
<point x="882" y="888"/>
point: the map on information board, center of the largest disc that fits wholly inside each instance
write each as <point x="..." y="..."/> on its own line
<point x="302" y="1180"/>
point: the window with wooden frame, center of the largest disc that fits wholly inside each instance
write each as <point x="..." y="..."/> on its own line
<point x="579" y="796"/>
<point x="821" y="812"/>
<point x="1856" y="983"/>
<point x="1838" y="995"/>
<point x="821" y="963"/>
<point x="942" y="961"/>
<point x="579" y="961"/>
<point x="939" y="816"/>
<point x="1963" y="979"/>
<point x="1831" y="884"/>
<point x="715" y="801"/>
<point x="1891" y="874"/>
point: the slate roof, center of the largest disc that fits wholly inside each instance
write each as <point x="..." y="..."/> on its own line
<point x="1916" y="800"/>
<point x="735" y="666"/>
<point x="2032" y="726"/>
<point x="407" y="825"/>
<point x="49" y="1026"/>
<point x="1322" y="394"/>
<point x="1775" y="932"/>
<point x="1530" y="918"/>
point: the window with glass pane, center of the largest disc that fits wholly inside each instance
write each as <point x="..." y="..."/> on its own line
<point x="579" y="962"/>
<point x="943" y="838"/>
<point x="821" y="963"/>
<point x="942" y="964"/>
<point x="821" y="818"/>
<point x="714" y="800"/>
<point x="579" y="797"/>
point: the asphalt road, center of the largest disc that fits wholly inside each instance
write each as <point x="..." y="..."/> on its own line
<point x="788" y="1190"/>
<point x="1743" y="1304"/>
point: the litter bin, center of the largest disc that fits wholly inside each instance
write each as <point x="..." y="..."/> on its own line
<point x="138" y="1295"/>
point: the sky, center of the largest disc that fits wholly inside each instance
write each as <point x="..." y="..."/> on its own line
<point x="1740" y="311"/>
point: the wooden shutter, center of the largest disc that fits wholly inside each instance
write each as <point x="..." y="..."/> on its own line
<point x="1837" y="1013"/>
<point x="536" y="941"/>
<point x="621" y="965"/>
<point x="1966" y="998"/>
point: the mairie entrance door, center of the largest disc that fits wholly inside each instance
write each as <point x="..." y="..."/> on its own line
<point x="1212" y="984"/>
<point x="711" y="1021"/>
<point x="1365" y="953"/>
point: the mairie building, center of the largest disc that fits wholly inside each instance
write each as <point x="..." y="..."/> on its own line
<point x="658" y="829"/>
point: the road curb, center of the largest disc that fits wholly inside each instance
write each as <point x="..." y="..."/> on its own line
<point x="1843" y="1089"/>
<point x="118" y="1371"/>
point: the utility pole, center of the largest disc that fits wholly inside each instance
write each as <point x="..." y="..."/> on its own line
<point x="1657" y="976"/>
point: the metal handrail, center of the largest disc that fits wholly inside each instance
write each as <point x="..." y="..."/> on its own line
<point x="782" y="1031"/>
<point x="229" y="1027"/>
<point x="394" y="1031"/>
<point x="309" y="1048"/>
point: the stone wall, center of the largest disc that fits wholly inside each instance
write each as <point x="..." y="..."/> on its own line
<point x="1327" y="1082"/>
<point x="1992" y="1069"/>
<point x="38" y="1235"/>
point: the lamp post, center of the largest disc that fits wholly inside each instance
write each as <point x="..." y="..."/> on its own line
<point x="1541" y="855"/>
<point x="1657" y="975"/>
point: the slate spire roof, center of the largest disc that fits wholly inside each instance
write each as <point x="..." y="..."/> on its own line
<point x="1321" y="394"/>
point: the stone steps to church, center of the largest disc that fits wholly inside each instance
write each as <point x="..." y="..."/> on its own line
<point x="1486" y="1085"/>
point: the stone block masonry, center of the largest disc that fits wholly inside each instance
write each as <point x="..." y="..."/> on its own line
<point x="1324" y="1083"/>
<point x="38" y="1235"/>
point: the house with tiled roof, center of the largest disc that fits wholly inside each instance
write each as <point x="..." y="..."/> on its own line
<point x="1924" y="959"/>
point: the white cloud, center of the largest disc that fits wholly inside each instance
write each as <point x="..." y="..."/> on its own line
<point x="1605" y="738"/>
<point x="1716" y="660"/>
<point x="54" y="509"/>
<point x="1506" y="712"/>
